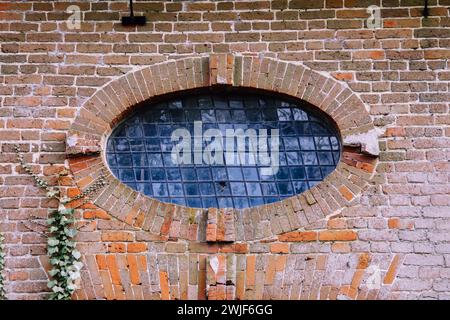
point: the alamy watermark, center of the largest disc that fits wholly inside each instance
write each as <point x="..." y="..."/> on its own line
<point x="237" y="147"/>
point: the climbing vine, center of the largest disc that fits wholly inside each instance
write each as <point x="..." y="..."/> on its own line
<point x="2" y="267"/>
<point x="63" y="256"/>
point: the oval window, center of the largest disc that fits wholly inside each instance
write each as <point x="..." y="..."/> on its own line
<point x="227" y="148"/>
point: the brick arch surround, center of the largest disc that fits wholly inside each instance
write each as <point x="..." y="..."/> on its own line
<point x="304" y="247"/>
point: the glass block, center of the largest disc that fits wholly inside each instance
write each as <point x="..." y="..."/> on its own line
<point x="188" y="174"/>
<point x="124" y="160"/>
<point x="142" y="174"/>
<point x="325" y="158"/>
<point x="285" y="188"/>
<point x="322" y="143"/>
<point x="309" y="158"/>
<point x="300" y="186"/>
<point x="204" y="174"/>
<point x="191" y="189"/>
<point x="194" y="202"/>
<point x="269" y="188"/>
<point x="139" y="160"/>
<point x="159" y="189"/>
<point x="175" y="189"/>
<point x="313" y="173"/>
<point x="126" y="175"/>
<point x="253" y="188"/>
<point x="238" y="188"/>
<point x="256" y="201"/>
<point x="222" y="188"/>
<point x="154" y="159"/>
<point x="173" y="174"/>
<point x="307" y="143"/>
<point x="250" y="174"/>
<point x="206" y="189"/>
<point x="209" y="202"/>
<point x="158" y="174"/>
<point x="235" y="174"/>
<point x="284" y="114"/>
<point x="121" y="145"/>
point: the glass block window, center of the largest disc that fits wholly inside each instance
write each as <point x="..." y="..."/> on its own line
<point x="140" y="150"/>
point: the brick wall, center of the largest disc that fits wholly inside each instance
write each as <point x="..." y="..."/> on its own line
<point x="397" y="224"/>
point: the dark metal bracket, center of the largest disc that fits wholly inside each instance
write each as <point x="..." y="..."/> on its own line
<point x="425" y="9"/>
<point x="133" y="20"/>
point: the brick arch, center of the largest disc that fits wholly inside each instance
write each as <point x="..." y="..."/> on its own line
<point x="101" y="112"/>
<point x="161" y="232"/>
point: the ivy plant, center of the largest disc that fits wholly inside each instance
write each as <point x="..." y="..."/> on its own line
<point x="2" y="268"/>
<point x="63" y="256"/>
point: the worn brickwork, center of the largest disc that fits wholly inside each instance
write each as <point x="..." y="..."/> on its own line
<point x="386" y="213"/>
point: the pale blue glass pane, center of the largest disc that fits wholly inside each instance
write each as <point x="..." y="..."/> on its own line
<point x="285" y="188"/>
<point x="111" y="159"/>
<point x="222" y="188"/>
<point x="223" y="115"/>
<point x="284" y="114"/>
<point x="219" y="174"/>
<point x="158" y="174"/>
<point x="191" y="189"/>
<point x="124" y="160"/>
<point x="209" y="202"/>
<point x="325" y="158"/>
<point x="299" y="115"/>
<point x="194" y="202"/>
<point x="300" y="186"/>
<point x="135" y="131"/>
<point x="126" y="174"/>
<point x="121" y="145"/>
<point x="256" y="201"/>
<point x="152" y="144"/>
<point x="298" y="173"/>
<point x="225" y="202"/>
<point x="307" y="143"/>
<point x="250" y="174"/>
<point x="150" y="130"/>
<point x="253" y="188"/>
<point x="283" y="173"/>
<point x="293" y="158"/>
<point x="137" y="145"/>
<point x="238" y="188"/>
<point x="313" y="173"/>
<point x="173" y="174"/>
<point x="159" y="189"/>
<point x="309" y="158"/>
<point x="322" y="143"/>
<point x="188" y="174"/>
<point x="140" y="160"/>
<point x="154" y="159"/>
<point x="334" y="143"/>
<point x="291" y="143"/>
<point x="241" y="202"/>
<point x="206" y="189"/>
<point x="142" y="174"/>
<point x="326" y="171"/>
<point x="204" y="174"/>
<point x="269" y="189"/>
<point x="180" y="201"/>
<point x="235" y="174"/>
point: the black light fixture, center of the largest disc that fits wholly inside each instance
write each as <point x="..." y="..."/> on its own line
<point x="133" y="20"/>
<point x="425" y="9"/>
